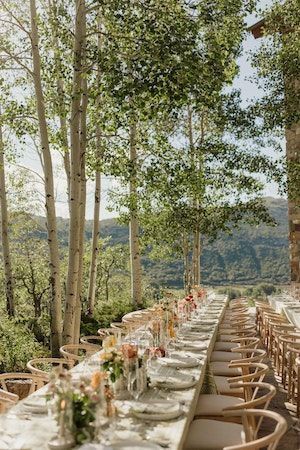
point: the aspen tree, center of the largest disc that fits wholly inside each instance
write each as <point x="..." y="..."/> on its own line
<point x="9" y="280"/>
<point x="56" y="313"/>
<point x="76" y="175"/>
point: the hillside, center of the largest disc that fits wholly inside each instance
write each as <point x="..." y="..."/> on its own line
<point x="247" y="256"/>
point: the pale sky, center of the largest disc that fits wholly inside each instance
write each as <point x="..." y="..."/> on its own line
<point x="30" y="160"/>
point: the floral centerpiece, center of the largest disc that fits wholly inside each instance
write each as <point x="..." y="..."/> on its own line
<point x="112" y="363"/>
<point x="76" y="407"/>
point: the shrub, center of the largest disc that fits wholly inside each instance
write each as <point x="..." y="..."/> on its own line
<point x="17" y="346"/>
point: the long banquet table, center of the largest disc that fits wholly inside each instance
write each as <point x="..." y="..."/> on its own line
<point x="19" y="430"/>
<point x="287" y="305"/>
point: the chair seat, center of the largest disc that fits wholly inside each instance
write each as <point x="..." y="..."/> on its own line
<point x="224" y="388"/>
<point x="222" y="346"/>
<point x="205" y="434"/>
<point x="224" y="356"/>
<point x="221" y="368"/>
<point x="227" y="337"/>
<point x="213" y="404"/>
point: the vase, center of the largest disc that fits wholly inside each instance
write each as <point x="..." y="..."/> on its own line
<point x="120" y="389"/>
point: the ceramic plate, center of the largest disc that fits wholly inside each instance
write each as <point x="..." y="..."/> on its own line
<point x="156" y="410"/>
<point x="172" y="383"/>
<point x="134" y="445"/>
<point x="179" y="361"/>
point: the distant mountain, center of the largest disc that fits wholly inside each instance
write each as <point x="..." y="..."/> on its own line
<point x="251" y="254"/>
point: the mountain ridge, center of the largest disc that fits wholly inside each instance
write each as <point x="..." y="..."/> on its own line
<point x="250" y="254"/>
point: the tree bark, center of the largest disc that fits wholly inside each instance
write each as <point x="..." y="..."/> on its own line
<point x="196" y="257"/>
<point x="195" y="273"/>
<point x="75" y="177"/>
<point x="62" y="113"/>
<point x="9" y="280"/>
<point x="95" y="246"/>
<point x="97" y="199"/>
<point x="186" y="264"/>
<point x="83" y="133"/>
<point x="55" y="311"/>
<point x="134" y="244"/>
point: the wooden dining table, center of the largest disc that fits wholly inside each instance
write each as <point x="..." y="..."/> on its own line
<point x="20" y="429"/>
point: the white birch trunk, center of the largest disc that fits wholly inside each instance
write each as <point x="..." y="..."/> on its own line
<point x="195" y="272"/>
<point x="134" y="244"/>
<point x="9" y="281"/>
<point x="83" y="134"/>
<point x="55" y="309"/>
<point x="75" y="177"/>
<point x="95" y="246"/>
<point x="97" y="198"/>
<point x="60" y="95"/>
<point x="186" y="263"/>
<point x="196" y="257"/>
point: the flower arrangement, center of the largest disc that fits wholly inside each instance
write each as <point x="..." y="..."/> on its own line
<point x="75" y="407"/>
<point x="112" y="363"/>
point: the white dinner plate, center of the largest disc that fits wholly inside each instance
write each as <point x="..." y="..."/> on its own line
<point x="195" y="337"/>
<point x="156" y="410"/>
<point x="173" y="383"/>
<point x="134" y="445"/>
<point x="179" y="361"/>
<point x="191" y="345"/>
<point x="35" y="404"/>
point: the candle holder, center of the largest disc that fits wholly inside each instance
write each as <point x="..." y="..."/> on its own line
<point x="61" y="443"/>
<point x="64" y="439"/>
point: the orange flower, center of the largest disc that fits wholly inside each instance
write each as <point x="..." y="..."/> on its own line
<point x="109" y="341"/>
<point x="96" y="379"/>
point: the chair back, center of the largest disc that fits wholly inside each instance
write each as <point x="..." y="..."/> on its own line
<point x="246" y="342"/>
<point x="250" y="355"/>
<point x="43" y="366"/>
<point x="251" y="372"/>
<point x="76" y="352"/>
<point x="270" y="441"/>
<point x="36" y="381"/>
<point x="259" y="395"/>
<point x="7" y="400"/>
<point x="92" y="340"/>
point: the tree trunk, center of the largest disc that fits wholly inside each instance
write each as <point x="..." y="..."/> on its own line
<point x="135" y="257"/>
<point x="9" y="281"/>
<point x="55" y="315"/>
<point x="62" y="113"/>
<point x="82" y="220"/>
<point x="78" y="308"/>
<point x="82" y="207"/>
<point x="75" y="177"/>
<point x="97" y="199"/>
<point x="95" y="246"/>
<point x="186" y="263"/>
<point x="196" y="257"/>
<point x="195" y="273"/>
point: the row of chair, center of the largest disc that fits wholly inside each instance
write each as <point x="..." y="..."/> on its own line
<point x="231" y="418"/>
<point x="282" y="340"/>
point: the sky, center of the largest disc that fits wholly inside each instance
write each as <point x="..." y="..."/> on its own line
<point x="248" y="91"/>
